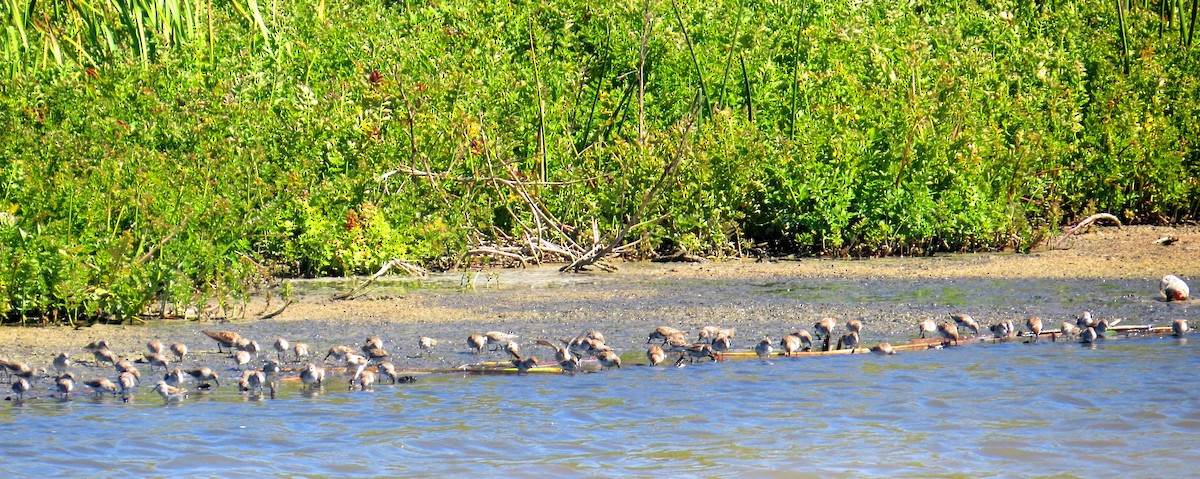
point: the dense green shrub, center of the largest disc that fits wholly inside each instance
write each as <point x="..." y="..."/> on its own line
<point x="183" y="165"/>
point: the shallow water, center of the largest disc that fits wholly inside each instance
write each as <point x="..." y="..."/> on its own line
<point x="1127" y="407"/>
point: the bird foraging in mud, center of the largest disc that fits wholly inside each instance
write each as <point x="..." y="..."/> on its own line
<point x="789" y="343"/>
<point x="700" y="351"/>
<point x="523" y="365"/>
<point x="927" y="326"/>
<point x="426" y="344"/>
<point x="662" y="333"/>
<point x="312" y="375"/>
<point x="180" y="351"/>
<point x="476" y="342"/>
<point x="497" y="338"/>
<point x="1088" y="336"/>
<point x="949" y="333"/>
<point x="608" y="359"/>
<point x="101" y="385"/>
<point x="226" y="339"/>
<point x="1070" y="331"/>
<point x="883" y="348"/>
<point x="170" y="393"/>
<point x="204" y="374"/>
<point x="1173" y="288"/>
<point x="20" y="387"/>
<point x="848" y="341"/>
<point x="967" y="321"/>
<point x="281" y="347"/>
<point x="824" y="328"/>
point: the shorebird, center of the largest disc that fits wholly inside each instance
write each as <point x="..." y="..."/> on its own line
<point x="180" y="351"/>
<point x="763" y="349"/>
<point x="825" y="327"/>
<point x="561" y="353"/>
<point x="338" y="353"/>
<point x="676" y="343"/>
<point x="373" y="342"/>
<point x="65" y="384"/>
<point x="14" y="367"/>
<point x="1173" y="288"/>
<point x="20" y="387"/>
<point x="608" y="359"/>
<point x="1034" y="324"/>
<point x="364" y="381"/>
<point x="848" y="341"/>
<point x="170" y="393"/>
<point x="883" y="348"/>
<point x="155" y="346"/>
<point x="569" y="365"/>
<point x="312" y="374"/>
<point x="427" y="343"/>
<point x="711" y="333"/>
<point x="388" y="370"/>
<point x="240" y="358"/>
<point x="496" y="338"/>
<point x="949" y="332"/>
<point x="476" y="342"/>
<point x="157" y="359"/>
<point x="252" y="380"/>
<point x="358" y="362"/>
<point x="105" y="355"/>
<point x="204" y="374"/>
<point x="524" y="365"/>
<point x="302" y="351"/>
<point x="721" y="343"/>
<point x="655" y="354"/>
<point x="281" y="347"/>
<point x="223" y="338"/>
<point x="966" y="320"/>
<point x="174" y="377"/>
<point x="854" y="325"/>
<point x="1000" y="330"/>
<point x="62" y="362"/>
<point x="789" y="343"/>
<point x="1070" y="330"/>
<point x="927" y="326"/>
<point x="805" y="339"/>
<point x="662" y="333"/>
<point x="128" y="382"/>
<point x="373" y="352"/>
<point x="1085" y="320"/>
<point x="249" y="346"/>
<point x="594" y="335"/>
<point x="1179" y="328"/>
<point x="100" y="385"/>
<point x="97" y="344"/>
<point x="1088" y="336"/>
<point x="700" y="351"/>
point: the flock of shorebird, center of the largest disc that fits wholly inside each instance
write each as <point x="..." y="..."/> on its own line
<point x="710" y="343"/>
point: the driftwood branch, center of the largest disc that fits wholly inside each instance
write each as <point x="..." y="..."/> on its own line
<point x="1085" y="224"/>
<point x="279" y="311"/>
<point x="394" y="263"/>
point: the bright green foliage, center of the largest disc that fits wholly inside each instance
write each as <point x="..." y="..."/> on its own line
<point x="183" y="151"/>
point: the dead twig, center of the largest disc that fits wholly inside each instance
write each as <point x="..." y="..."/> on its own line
<point x="1086" y="223"/>
<point x="395" y="262"/>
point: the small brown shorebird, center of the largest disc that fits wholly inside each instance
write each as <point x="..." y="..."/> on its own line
<point x="608" y="359"/>
<point x="476" y="342"/>
<point x="569" y="365"/>
<point x="1088" y="336"/>
<point x="763" y="349"/>
<point x="65" y="384"/>
<point x="155" y="346"/>
<point x="272" y="367"/>
<point x="180" y="351"/>
<point x="848" y="341"/>
<point x="824" y="328"/>
<point x="1070" y="330"/>
<point x="561" y="353"/>
<point x="1173" y="288"/>
<point x="523" y="365"/>
<point x="883" y="348"/>
<point x="721" y="343"/>
<point x="700" y="351"/>
<point x="496" y="338"/>
<point x="1179" y="327"/>
<point x="226" y="339"/>
<point x="252" y="380"/>
<point x="338" y="353"/>
<point x="1034" y="324"/>
<point x="158" y="360"/>
<point x="374" y="353"/>
<point x="373" y="342"/>
<point x="174" y="377"/>
<point x="711" y="333"/>
<point x="426" y="344"/>
<point x="169" y="393"/>
<point x="97" y="344"/>
<point x="949" y="333"/>
<point x="790" y="343"/>
<point x="20" y="387"/>
<point x="101" y="385"/>
<point x="281" y="347"/>
<point x="302" y="351"/>
<point x="676" y="343"/>
<point x="204" y="374"/>
<point x="662" y="333"/>
<point x="364" y="381"/>
<point x="854" y="325"/>
<point x="387" y="370"/>
<point x="655" y="354"/>
<point x="358" y="362"/>
<point x="62" y="362"/>
<point x="805" y="339"/>
<point x="128" y="382"/>
<point x="249" y="346"/>
<point x="105" y="355"/>
<point x="1085" y="320"/>
<point x="927" y="326"/>
<point x="965" y="320"/>
<point x="312" y="374"/>
<point x="241" y="358"/>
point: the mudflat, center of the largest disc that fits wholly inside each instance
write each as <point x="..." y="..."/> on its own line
<point x="1113" y="272"/>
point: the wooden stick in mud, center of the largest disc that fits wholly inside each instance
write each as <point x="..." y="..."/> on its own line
<point x="1087" y="222"/>
<point x="383" y="270"/>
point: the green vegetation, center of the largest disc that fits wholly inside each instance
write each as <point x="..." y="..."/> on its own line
<point x="180" y="151"/>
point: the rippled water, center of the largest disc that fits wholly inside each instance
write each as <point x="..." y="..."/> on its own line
<point x="1124" y="408"/>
